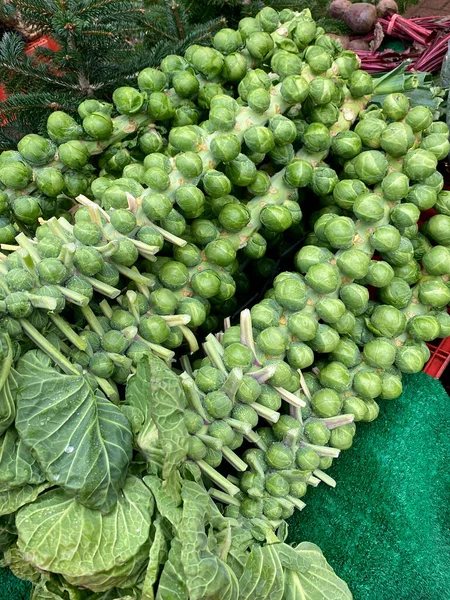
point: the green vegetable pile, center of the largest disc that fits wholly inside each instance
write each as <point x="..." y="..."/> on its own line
<point x="133" y="464"/>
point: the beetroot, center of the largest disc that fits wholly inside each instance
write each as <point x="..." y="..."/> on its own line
<point x="359" y="45"/>
<point x="386" y="8"/>
<point x="360" y="17"/>
<point x="337" y="8"/>
<point x="344" y="40"/>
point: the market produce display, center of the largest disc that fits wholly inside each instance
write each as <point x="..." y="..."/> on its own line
<point x="134" y="464"/>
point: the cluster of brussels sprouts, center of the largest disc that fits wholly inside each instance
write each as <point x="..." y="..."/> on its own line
<point x="211" y="159"/>
<point x="181" y="158"/>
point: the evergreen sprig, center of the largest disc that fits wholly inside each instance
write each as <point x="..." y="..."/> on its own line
<point x="102" y="44"/>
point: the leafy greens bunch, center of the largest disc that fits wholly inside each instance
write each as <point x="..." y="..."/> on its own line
<point x="166" y="536"/>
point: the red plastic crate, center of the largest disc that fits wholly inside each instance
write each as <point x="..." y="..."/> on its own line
<point x="439" y="360"/>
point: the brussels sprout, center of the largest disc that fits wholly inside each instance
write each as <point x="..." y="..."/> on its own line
<point x="340" y="232"/>
<point x="15" y="175"/>
<point x="318" y="59"/>
<point x="335" y="375"/>
<point x="276" y="218"/>
<point x="266" y="313"/>
<point x="268" y="18"/>
<point x="127" y="100"/>
<point x="354" y="263"/>
<point x="388" y="321"/>
<point x="437" y="127"/>
<point x="278" y="456"/>
<point x="437" y="261"/>
<point x="397" y="139"/>
<point x="419" y="118"/>
<point x="328" y="114"/>
<point x="160" y="107"/>
<point x="370" y="132"/>
<point x="294" y="89"/>
<point x="73" y="154"/>
<point x="437" y="144"/>
<point x="346" y="323"/>
<point x="126" y="254"/>
<point x="371" y="166"/>
<point x="347" y="353"/>
<point x="321" y="90"/>
<point x="36" y="150"/>
<point x="154" y="329"/>
<point x="325" y="340"/>
<point x="422" y="196"/>
<point x="272" y="341"/>
<point x="380" y="353"/>
<point x="307" y="460"/>
<point x="88" y="233"/>
<point x="367" y="383"/>
<point x="346" y="144"/>
<point x="379" y="274"/>
<point x="311" y="255"/>
<point x="402" y="255"/>
<point x="355" y="297"/>
<point x="395" y="106"/>
<point x="87" y="107"/>
<point x="424" y="328"/>
<point x="101" y="365"/>
<point x="269" y="397"/>
<point x="98" y="125"/>
<point x="444" y="323"/>
<point x="324" y="180"/>
<point x="206" y="61"/>
<point x="261" y="184"/>
<point x="419" y="164"/>
<point x="79" y="284"/>
<point x="405" y="214"/>
<point x="395" y="186"/>
<point x="206" y="283"/>
<point x="434" y="292"/>
<point x="410" y="359"/>
<point x="61" y="127"/>
<point x="291" y="293"/>
<point x="438" y="229"/>
<point x="360" y="83"/>
<point x="323" y="278"/>
<point x="326" y="402"/>
<point x="283" y="129"/>
<point x="369" y="207"/>
<point x="227" y="41"/>
<point x="108" y="274"/>
<point x="347" y="191"/>
<point x="114" y="341"/>
<point x="435" y="181"/>
<point x="303" y="326"/>
<point x="193" y="421"/>
<point x="299" y="355"/>
<point x="26" y="209"/>
<point x="317" y="138"/>
<point x="442" y="204"/>
<point x="385" y="239"/>
<point x="285" y="63"/>
<point x="341" y="437"/>
<point x="150" y="141"/>
<point x="218" y="404"/>
<point x="245" y="414"/>
<point x="317" y="433"/>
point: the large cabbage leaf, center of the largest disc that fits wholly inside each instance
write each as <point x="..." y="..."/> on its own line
<point x="58" y="534"/>
<point x="11" y="500"/>
<point x="17" y="465"/>
<point x="157" y="392"/>
<point x="82" y="441"/>
<point x="320" y="582"/>
<point x="262" y="578"/>
<point x="207" y="576"/>
<point x="8" y="386"/>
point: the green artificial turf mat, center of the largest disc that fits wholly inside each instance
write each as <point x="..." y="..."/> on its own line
<point x="385" y="528"/>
